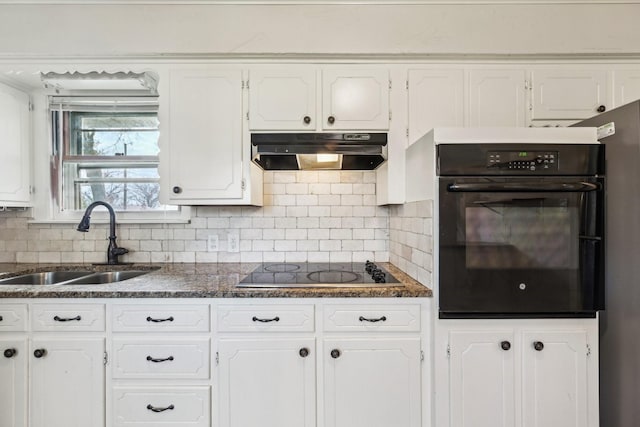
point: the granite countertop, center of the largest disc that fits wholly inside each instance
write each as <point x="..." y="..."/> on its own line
<point x="191" y="281"/>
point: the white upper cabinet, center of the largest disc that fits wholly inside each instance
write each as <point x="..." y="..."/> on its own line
<point x="568" y="94"/>
<point x="497" y="97"/>
<point x="290" y="99"/>
<point x="201" y="158"/>
<point x="282" y="99"/>
<point x="626" y="86"/>
<point x="15" y="135"/>
<point x="436" y="99"/>
<point x="355" y="99"/>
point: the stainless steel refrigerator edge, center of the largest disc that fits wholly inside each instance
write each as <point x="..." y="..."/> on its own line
<point x="620" y="321"/>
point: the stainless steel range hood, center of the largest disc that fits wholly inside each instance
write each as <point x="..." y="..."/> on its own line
<point x="317" y="151"/>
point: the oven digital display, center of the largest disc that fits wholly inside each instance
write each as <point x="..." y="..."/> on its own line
<point x="523" y="160"/>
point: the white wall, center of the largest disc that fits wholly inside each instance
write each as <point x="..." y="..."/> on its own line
<point x="110" y="29"/>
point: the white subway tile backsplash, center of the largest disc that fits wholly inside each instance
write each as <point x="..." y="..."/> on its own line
<point x="318" y="216"/>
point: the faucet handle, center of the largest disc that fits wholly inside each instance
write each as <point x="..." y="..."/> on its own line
<point x="119" y="251"/>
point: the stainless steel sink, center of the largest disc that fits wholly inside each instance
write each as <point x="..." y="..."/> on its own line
<point x="106" y="277"/>
<point x="79" y="277"/>
<point x="44" y="278"/>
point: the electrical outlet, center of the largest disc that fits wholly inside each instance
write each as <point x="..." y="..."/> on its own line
<point x="233" y="242"/>
<point x="212" y="243"/>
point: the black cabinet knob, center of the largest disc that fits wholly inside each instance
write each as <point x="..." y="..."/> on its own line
<point x="304" y="352"/>
<point x="306" y="120"/>
<point x="335" y="353"/>
<point x="538" y="345"/>
<point x="331" y="120"/>
<point x="1" y="318"/>
<point x="10" y="352"/>
<point x="39" y="353"/>
<point x="505" y="345"/>
<point x="601" y="109"/>
<point x="177" y="190"/>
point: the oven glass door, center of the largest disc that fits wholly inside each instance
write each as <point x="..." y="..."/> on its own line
<point x="512" y="247"/>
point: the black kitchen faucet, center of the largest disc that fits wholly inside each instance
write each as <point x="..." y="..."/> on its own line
<point x="113" y="251"/>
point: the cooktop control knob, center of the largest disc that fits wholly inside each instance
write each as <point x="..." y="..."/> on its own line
<point x="370" y="267"/>
<point x="379" y="276"/>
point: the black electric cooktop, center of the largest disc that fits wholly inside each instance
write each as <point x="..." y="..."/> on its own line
<point x="312" y="274"/>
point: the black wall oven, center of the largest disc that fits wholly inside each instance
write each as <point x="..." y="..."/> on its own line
<point x="521" y="230"/>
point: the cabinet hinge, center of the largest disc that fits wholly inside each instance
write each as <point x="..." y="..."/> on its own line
<point x="588" y="350"/>
<point x="32" y="189"/>
<point x="247" y="116"/>
<point x="526" y="85"/>
<point x="31" y="106"/>
<point x="105" y="358"/>
<point x="389" y="84"/>
<point x="407" y="84"/>
<point x="422" y="355"/>
<point x="407" y="132"/>
<point x="243" y="184"/>
<point x="390" y="115"/>
<point x="217" y="358"/>
<point x="448" y="352"/>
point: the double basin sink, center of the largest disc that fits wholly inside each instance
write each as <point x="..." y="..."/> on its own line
<point x="78" y="277"/>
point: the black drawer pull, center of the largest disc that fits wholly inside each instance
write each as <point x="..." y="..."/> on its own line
<point x="335" y="353"/>
<point x="66" y="319"/>
<point x="380" y="319"/>
<point x="1" y="319"/>
<point x="505" y="345"/>
<point x="154" y="409"/>
<point x="304" y="352"/>
<point x="151" y="319"/>
<point x="275" y="319"/>
<point x="151" y="359"/>
<point x="538" y="345"/>
<point x="40" y="352"/>
<point x="10" y="352"/>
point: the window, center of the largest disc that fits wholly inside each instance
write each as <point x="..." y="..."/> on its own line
<point x="106" y="148"/>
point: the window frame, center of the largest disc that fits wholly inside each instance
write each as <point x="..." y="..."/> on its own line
<point x="55" y="211"/>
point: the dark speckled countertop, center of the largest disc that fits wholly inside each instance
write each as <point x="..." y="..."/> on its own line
<point x="191" y="281"/>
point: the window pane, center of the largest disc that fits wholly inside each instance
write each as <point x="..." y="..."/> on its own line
<point x="122" y="196"/>
<point x="111" y="172"/>
<point x="121" y="134"/>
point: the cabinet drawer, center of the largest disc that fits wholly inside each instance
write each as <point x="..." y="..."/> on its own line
<point x="168" y="406"/>
<point x="67" y="317"/>
<point x="372" y="318"/>
<point x="161" y="358"/>
<point x="252" y="318"/>
<point x="150" y="317"/>
<point x="13" y="317"/>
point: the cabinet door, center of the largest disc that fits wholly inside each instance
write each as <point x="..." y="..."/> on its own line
<point x="568" y="94"/>
<point x="482" y="379"/>
<point x="282" y="99"/>
<point x="15" y="136"/>
<point x="355" y="99"/>
<point x="267" y="383"/>
<point x="626" y="86"/>
<point x="496" y="98"/>
<point x="205" y="136"/>
<point x="372" y="382"/>
<point x="66" y="385"/>
<point x="554" y="379"/>
<point x="13" y="392"/>
<point x="436" y="99"/>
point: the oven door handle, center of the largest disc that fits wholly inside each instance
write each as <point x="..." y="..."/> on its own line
<point x="524" y="187"/>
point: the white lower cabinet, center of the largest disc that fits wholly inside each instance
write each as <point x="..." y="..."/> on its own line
<point x="66" y="382"/>
<point x="372" y="382"/>
<point x="160" y="363"/>
<point x="518" y="373"/>
<point x="347" y="363"/>
<point x="52" y="367"/>
<point x="267" y="382"/>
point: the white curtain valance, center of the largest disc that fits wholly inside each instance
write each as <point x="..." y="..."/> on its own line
<point x="100" y="81"/>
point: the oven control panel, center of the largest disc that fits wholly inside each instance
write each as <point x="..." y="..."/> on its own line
<point x="523" y="160"/>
